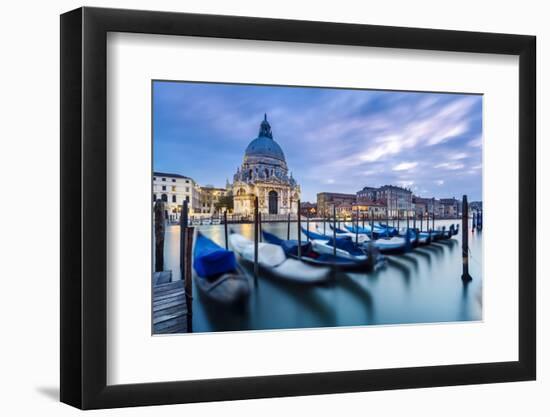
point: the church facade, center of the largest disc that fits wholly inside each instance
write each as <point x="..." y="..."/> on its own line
<point x="264" y="174"/>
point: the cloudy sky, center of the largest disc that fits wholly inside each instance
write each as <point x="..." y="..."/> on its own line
<point x="333" y="139"/>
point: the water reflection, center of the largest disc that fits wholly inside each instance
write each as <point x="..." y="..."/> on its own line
<point x="420" y="287"/>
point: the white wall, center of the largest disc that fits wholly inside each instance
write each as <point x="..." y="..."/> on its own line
<point x="30" y="258"/>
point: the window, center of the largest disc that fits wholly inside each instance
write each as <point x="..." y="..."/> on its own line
<point x="187" y="181"/>
<point x="154" y="197"/>
<point x="164" y="188"/>
<point x="154" y="178"/>
<point x="173" y="188"/>
<point x="173" y="180"/>
<point x="186" y="189"/>
<point x="174" y="199"/>
<point x="164" y="179"/>
<point x="164" y="198"/>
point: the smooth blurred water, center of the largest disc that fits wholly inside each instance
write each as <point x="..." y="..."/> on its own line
<point x="423" y="286"/>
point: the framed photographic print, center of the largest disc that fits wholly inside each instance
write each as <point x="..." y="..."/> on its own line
<point x="256" y="208"/>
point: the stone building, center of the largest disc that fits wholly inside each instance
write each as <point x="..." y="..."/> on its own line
<point x="449" y="208"/>
<point x="398" y="200"/>
<point x="325" y="201"/>
<point x="173" y="189"/>
<point x="264" y="174"/>
<point x="209" y="198"/>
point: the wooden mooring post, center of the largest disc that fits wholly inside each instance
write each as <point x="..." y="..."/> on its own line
<point x="433" y="214"/>
<point x="372" y="227"/>
<point x="225" y="229"/>
<point x="334" y="230"/>
<point x="259" y="226"/>
<point x="307" y="227"/>
<point x="299" y="223"/>
<point x="357" y="226"/>
<point x="421" y="221"/>
<point x="398" y="219"/>
<point x="188" y="276"/>
<point x="256" y="233"/>
<point x="465" y="255"/>
<point x="480" y="220"/>
<point x="288" y="228"/>
<point x="160" y="226"/>
<point x="184" y="223"/>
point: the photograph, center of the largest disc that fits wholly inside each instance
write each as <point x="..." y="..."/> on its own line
<point x="291" y="207"/>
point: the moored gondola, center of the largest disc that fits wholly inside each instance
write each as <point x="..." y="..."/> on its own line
<point x="273" y="262"/>
<point x="310" y="255"/>
<point x="217" y="274"/>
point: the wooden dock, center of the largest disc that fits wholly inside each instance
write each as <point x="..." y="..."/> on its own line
<point x="169" y="308"/>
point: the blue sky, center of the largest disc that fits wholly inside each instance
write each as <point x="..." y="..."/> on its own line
<point x="334" y="139"/>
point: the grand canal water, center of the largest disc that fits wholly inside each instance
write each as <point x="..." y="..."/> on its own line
<point x="423" y="286"/>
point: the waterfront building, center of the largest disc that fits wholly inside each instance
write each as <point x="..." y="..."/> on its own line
<point x="308" y="209"/>
<point x="398" y="200"/>
<point x="264" y="174"/>
<point x="368" y="193"/>
<point x="449" y="207"/>
<point x="325" y="201"/>
<point x="209" y="200"/>
<point x="476" y="205"/>
<point x="427" y="207"/>
<point x="376" y="209"/>
<point x="173" y="189"/>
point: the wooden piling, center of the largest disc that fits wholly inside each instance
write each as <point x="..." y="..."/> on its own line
<point x="433" y="213"/>
<point x="259" y="226"/>
<point x="225" y="229"/>
<point x="184" y="223"/>
<point x="334" y="230"/>
<point x="159" y="235"/>
<point x="256" y="236"/>
<point x="480" y="220"/>
<point x="363" y="221"/>
<point x="421" y="221"/>
<point x="372" y="227"/>
<point x="288" y="228"/>
<point x="307" y="227"/>
<point x="324" y="223"/>
<point x="299" y="223"/>
<point x="188" y="276"/>
<point x="357" y="226"/>
<point x="465" y="270"/>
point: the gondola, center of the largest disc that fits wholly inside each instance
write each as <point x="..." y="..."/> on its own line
<point x="387" y="245"/>
<point x="378" y="231"/>
<point x="310" y="255"/>
<point x="345" y="247"/>
<point x="274" y="263"/>
<point x="217" y="274"/>
<point x="361" y="237"/>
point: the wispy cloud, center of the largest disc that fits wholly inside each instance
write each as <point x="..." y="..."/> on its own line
<point x="333" y="139"/>
<point x="405" y="166"/>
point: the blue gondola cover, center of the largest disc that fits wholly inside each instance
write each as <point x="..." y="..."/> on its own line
<point x="211" y="259"/>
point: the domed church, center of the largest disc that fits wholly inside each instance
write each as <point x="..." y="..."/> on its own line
<point x="264" y="174"/>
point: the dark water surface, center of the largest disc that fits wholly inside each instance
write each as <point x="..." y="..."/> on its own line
<point x="423" y="286"/>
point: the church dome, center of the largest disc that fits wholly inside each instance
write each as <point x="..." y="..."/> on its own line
<point x="264" y="146"/>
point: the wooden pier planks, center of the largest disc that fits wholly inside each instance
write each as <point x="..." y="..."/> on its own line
<point x="169" y="308"/>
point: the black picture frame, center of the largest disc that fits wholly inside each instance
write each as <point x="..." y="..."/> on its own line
<point x="84" y="207"/>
